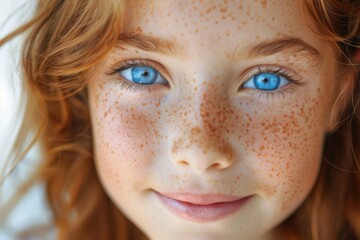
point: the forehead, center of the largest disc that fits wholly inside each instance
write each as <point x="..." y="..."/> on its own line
<point x="219" y="24"/>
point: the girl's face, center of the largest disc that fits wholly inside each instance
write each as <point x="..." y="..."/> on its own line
<point x="209" y="117"/>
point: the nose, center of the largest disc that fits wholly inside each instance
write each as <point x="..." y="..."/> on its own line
<point x="200" y="134"/>
<point x="201" y="152"/>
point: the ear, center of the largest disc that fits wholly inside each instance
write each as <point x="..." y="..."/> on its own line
<point x="343" y="96"/>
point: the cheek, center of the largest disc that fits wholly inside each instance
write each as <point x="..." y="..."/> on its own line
<point x="125" y="139"/>
<point x="283" y="147"/>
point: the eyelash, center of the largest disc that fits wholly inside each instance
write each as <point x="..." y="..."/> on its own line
<point x="129" y="63"/>
<point x="277" y="70"/>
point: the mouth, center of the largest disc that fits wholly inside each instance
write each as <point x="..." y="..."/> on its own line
<point x="202" y="208"/>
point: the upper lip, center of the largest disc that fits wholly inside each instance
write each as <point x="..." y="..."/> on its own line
<point x="201" y="199"/>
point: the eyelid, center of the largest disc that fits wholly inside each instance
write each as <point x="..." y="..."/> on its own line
<point x="290" y="75"/>
<point x="129" y="63"/>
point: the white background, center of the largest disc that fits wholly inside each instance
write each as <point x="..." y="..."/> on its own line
<point x="8" y="78"/>
<point x="32" y="210"/>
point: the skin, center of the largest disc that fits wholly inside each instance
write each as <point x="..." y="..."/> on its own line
<point x="202" y="132"/>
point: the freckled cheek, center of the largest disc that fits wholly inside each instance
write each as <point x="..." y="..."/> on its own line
<point x="125" y="141"/>
<point x="283" y="149"/>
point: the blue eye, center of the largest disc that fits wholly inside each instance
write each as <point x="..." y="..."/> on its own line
<point x="143" y="75"/>
<point x="266" y="82"/>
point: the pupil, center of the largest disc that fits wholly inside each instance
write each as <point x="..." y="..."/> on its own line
<point x="265" y="80"/>
<point x="145" y="74"/>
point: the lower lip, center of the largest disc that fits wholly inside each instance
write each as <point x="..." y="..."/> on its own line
<point x="202" y="213"/>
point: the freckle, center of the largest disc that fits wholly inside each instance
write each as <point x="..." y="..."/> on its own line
<point x="263" y="3"/>
<point x="223" y="10"/>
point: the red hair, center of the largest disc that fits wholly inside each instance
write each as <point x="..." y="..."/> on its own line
<point x="68" y="40"/>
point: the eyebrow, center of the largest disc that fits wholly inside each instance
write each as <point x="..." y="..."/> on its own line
<point x="149" y="43"/>
<point x="266" y="48"/>
<point x="279" y="45"/>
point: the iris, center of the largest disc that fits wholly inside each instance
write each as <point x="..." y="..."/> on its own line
<point x="266" y="81"/>
<point x="144" y="75"/>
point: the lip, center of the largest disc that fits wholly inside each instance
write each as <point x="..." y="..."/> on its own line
<point x="202" y="208"/>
